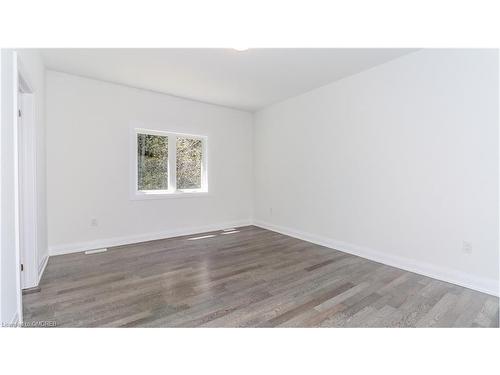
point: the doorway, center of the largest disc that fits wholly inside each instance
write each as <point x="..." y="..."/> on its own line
<point x="26" y="182"/>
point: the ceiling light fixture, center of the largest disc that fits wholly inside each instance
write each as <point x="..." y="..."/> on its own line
<point x="241" y="49"/>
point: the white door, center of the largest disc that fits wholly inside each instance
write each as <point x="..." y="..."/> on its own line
<point x="27" y="188"/>
<point x="20" y="151"/>
<point x="21" y="184"/>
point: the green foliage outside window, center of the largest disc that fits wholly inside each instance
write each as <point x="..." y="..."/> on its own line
<point x="152" y="160"/>
<point x="189" y="158"/>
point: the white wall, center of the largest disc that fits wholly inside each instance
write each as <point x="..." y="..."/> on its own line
<point x="88" y="164"/>
<point x="9" y="280"/>
<point x="398" y="163"/>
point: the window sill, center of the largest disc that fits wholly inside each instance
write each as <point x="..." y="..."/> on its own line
<point x="163" y="195"/>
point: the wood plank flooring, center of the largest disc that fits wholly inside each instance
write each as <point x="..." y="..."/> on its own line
<point x="248" y="277"/>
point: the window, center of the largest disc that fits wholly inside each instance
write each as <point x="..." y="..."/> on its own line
<point x="168" y="164"/>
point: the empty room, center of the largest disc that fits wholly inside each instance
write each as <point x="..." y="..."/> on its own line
<point x="251" y="188"/>
<point x="237" y="187"/>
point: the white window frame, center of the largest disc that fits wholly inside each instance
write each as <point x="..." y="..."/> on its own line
<point x="172" y="191"/>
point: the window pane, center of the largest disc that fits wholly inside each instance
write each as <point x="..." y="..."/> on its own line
<point x="152" y="162"/>
<point x="189" y="156"/>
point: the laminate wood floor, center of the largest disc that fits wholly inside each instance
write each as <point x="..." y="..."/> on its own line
<point x="248" y="277"/>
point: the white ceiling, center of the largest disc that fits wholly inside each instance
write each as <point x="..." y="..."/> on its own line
<point x="247" y="80"/>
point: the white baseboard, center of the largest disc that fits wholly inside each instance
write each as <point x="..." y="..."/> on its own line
<point x="489" y="286"/>
<point x="41" y="268"/>
<point x="119" y="241"/>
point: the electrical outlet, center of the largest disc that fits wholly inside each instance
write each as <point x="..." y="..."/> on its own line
<point x="270" y="211"/>
<point x="467" y="247"/>
<point x="93" y="222"/>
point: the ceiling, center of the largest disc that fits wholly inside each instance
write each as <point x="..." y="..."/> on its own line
<point x="247" y="80"/>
